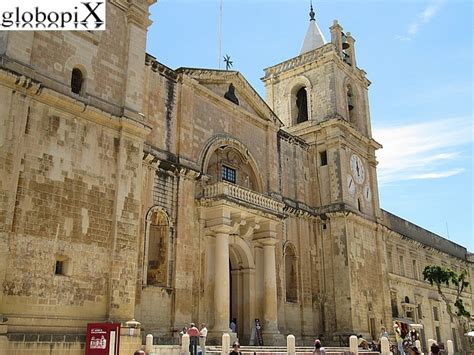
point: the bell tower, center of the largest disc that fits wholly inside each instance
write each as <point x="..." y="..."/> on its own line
<point x="322" y="97"/>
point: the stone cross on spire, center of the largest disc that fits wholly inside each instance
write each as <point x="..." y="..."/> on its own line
<point x="314" y="37"/>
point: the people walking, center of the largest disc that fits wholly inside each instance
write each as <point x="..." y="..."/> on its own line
<point x="193" y="333"/>
<point x="202" y="338"/>
<point x="398" y="337"/>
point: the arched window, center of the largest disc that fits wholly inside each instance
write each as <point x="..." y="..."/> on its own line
<point x="230" y="165"/>
<point x="291" y="274"/>
<point x="157" y="250"/>
<point x="301" y="105"/>
<point x="77" y="80"/>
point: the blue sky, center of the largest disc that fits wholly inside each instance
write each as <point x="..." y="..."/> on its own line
<point x="418" y="56"/>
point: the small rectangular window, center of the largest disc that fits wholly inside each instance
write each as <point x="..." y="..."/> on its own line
<point x="228" y="174"/>
<point x="323" y="156"/>
<point x="59" y="269"/>
<point x="435" y="314"/>
<point x="415" y="270"/>
<point x="438" y="335"/>
<point x="402" y="266"/>
<point x="419" y="311"/>
<point x="389" y="261"/>
<point x="62" y="266"/>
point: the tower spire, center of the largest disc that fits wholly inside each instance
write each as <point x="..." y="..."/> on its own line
<point x="314" y="37"/>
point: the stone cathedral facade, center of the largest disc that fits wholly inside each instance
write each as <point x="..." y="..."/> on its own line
<point x="132" y="190"/>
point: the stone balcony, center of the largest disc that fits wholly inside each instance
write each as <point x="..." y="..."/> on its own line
<point x="241" y="196"/>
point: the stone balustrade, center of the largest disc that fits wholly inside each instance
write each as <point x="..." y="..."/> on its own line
<point x="242" y="195"/>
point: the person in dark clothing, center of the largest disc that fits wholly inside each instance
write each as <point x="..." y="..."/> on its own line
<point x="235" y="349"/>
<point x="434" y="349"/>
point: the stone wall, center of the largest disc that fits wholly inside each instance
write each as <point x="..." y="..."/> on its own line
<point x="417" y="233"/>
<point x="71" y="195"/>
<point x="405" y="260"/>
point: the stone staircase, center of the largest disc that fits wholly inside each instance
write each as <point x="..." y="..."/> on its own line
<point x="256" y="350"/>
<point x="280" y="350"/>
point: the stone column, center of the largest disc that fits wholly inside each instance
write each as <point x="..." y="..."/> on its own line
<point x="222" y="282"/>
<point x="270" y="308"/>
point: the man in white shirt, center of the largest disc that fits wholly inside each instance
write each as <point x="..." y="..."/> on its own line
<point x="202" y="338"/>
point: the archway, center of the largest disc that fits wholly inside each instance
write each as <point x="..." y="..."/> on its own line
<point x="242" y="284"/>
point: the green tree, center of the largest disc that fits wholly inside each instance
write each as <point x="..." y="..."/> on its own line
<point x="444" y="276"/>
<point x="440" y="276"/>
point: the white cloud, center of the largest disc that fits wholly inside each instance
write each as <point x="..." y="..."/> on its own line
<point x="423" y="150"/>
<point x="423" y="18"/>
<point x="438" y="175"/>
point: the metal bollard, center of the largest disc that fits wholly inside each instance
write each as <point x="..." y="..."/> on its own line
<point x="290" y="344"/>
<point x="384" y="346"/>
<point x="149" y="343"/>
<point x="225" y="344"/>
<point x="185" y="344"/>
<point x="450" y="346"/>
<point x="353" y="344"/>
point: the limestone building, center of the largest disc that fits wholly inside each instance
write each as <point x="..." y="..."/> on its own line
<point x="132" y="190"/>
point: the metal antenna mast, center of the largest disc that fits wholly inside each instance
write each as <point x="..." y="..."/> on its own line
<point x="219" y="35"/>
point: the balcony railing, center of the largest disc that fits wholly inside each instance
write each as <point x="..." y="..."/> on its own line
<point x="242" y="195"/>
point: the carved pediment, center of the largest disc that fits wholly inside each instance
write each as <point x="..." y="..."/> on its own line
<point x="232" y="88"/>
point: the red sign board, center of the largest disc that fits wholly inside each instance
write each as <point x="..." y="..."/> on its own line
<point x="103" y="339"/>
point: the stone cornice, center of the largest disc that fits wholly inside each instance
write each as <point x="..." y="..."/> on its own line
<point x="400" y="241"/>
<point x="300" y="60"/>
<point x="334" y="123"/>
<point x="308" y="60"/>
<point x="71" y="105"/>
<point x="152" y="161"/>
<point x="292" y="139"/>
<point x="136" y="11"/>
<point x="160" y="68"/>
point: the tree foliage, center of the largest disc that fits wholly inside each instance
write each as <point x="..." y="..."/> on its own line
<point x="439" y="276"/>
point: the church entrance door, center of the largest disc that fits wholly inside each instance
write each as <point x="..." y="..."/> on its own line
<point x="242" y="284"/>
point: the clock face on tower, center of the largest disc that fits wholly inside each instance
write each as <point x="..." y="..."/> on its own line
<point x="357" y="169"/>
